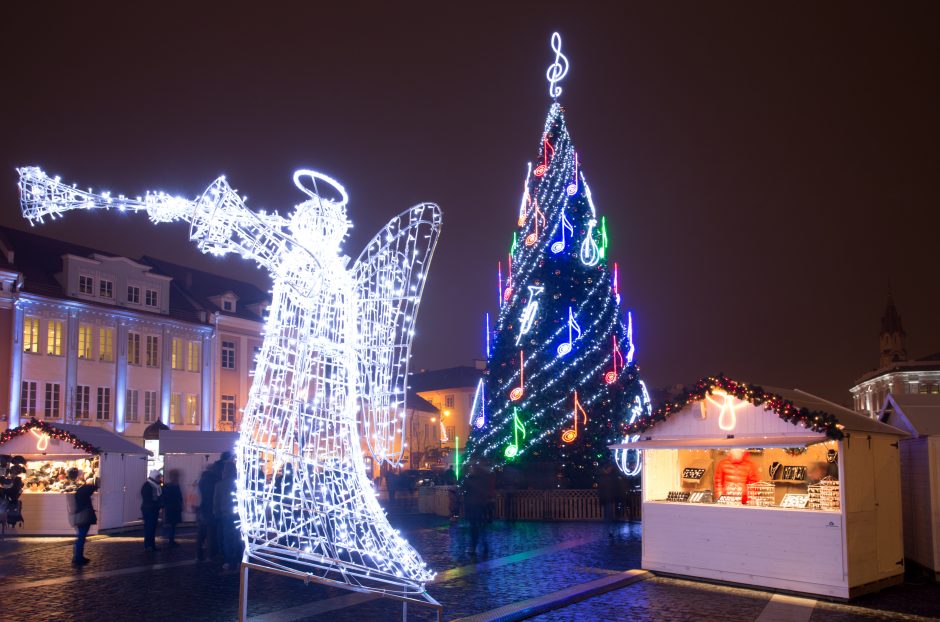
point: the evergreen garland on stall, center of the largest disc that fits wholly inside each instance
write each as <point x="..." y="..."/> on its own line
<point x="816" y="420"/>
<point x="51" y="431"/>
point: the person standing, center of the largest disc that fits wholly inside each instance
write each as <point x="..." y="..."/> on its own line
<point x="477" y="496"/>
<point x="608" y="494"/>
<point x="206" y="536"/>
<point x="150" y="509"/>
<point x="223" y="506"/>
<point x="172" y="501"/>
<point x="83" y="516"/>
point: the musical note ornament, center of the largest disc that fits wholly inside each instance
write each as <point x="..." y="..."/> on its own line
<point x="572" y="188"/>
<point x="528" y="314"/>
<point x="590" y="253"/>
<point x="541" y="168"/>
<point x="559" y="246"/>
<point x="538" y="216"/>
<point x="569" y="436"/>
<point x="611" y="376"/>
<point x="517" y="393"/>
<point x="557" y="70"/>
<point x="526" y="198"/>
<point x="727" y="418"/>
<point x="517" y="427"/>
<point x="565" y="348"/>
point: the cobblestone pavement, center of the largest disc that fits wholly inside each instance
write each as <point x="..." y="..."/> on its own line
<point x="524" y="560"/>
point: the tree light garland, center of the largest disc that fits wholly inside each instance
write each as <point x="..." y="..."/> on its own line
<point x="332" y="367"/>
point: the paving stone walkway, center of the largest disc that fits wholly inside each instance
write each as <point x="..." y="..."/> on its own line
<point x="524" y="561"/>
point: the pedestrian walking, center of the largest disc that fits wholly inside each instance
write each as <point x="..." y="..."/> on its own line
<point x="478" y="493"/>
<point x="172" y="501"/>
<point x="207" y="525"/>
<point x="150" y="509"/>
<point x="82" y="516"/>
<point x="223" y="506"/>
<point x="608" y="494"/>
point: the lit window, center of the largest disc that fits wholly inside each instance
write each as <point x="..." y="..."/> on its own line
<point x="150" y="406"/>
<point x="151" y="298"/>
<point x="31" y="335"/>
<point x="176" y="353"/>
<point x="176" y="415"/>
<point x="133" y="348"/>
<point x="106" y="288"/>
<point x="133" y="294"/>
<point x="153" y="351"/>
<point x="103" y="412"/>
<point x="228" y="355"/>
<point x="84" y="341"/>
<point x="106" y="344"/>
<point x="28" y="398"/>
<point x="192" y="409"/>
<point x="130" y="406"/>
<point x="228" y="409"/>
<point x="53" y="400"/>
<point x="82" y="401"/>
<point x="192" y="356"/>
<point x="54" y="338"/>
<point x="86" y="285"/>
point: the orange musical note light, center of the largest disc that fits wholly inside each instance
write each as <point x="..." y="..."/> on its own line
<point x="541" y="168"/>
<point x="569" y="436"/>
<point x="517" y="393"/>
<point x="611" y="376"/>
<point x="537" y="215"/>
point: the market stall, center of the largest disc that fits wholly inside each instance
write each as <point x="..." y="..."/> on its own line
<point x="189" y="453"/>
<point x="919" y="415"/>
<point x="51" y="450"/>
<point x="772" y="488"/>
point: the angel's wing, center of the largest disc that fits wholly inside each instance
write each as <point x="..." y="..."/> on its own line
<point x="390" y="275"/>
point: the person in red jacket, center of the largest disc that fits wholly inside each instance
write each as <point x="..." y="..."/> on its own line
<point x="736" y="469"/>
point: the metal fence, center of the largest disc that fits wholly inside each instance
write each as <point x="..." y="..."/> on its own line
<point x="555" y="505"/>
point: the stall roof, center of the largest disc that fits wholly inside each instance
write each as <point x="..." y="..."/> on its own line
<point x="106" y="441"/>
<point x="851" y="421"/>
<point x="196" y="442"/>
<point x="711" y="443"/>
<point x="916" y="413"/>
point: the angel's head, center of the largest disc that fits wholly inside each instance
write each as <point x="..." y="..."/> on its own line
<point x="321" y="220"/>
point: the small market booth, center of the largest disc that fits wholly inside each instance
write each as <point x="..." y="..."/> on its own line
<point x="189" y="452"/>
<point x="919" y="415"/>
<point x="772" y="488"/>
<point x="51" y="450"/>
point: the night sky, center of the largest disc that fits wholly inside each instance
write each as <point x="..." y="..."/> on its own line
<point x="768" y="170"/>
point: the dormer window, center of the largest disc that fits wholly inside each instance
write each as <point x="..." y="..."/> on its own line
<point x="106" y="288"/>
<point x="86" y="284"/>
<point x="133" y="294"/>
<point x="228" y="305"/>
<point x="151" y="298"/>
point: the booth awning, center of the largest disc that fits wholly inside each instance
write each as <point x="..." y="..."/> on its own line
<point x="722" y="443"/>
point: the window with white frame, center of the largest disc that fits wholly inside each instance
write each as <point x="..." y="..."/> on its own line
<point x="86" y="284"/>
<point x="150" y="297"/>
<point x="150" y="406"/>
<point x="176" y="353"/>
<point x="228" y="355"/>
<point x="133" y="348"/>
<point x="106" y="288"/>
<point x="28" y="398"/>
<point x="54" y="332"/>
<point x="449" y="401"/>
<point x="84" y="341"/>
<point x="31" y="335"/>
<point x="192" y="356"/>
<point x="153" y="351"/>
<point x="82" y="402"/>
<point x="192" y="409"/>
<point x="228" y="409"/>
<point x="133" y="294"/>
<point x="53" y="400"/>
<point x="106" y="344"/>
<point x="131" y="412"/>
<point x="103" y="411"/>
<point x="176" y="403"/>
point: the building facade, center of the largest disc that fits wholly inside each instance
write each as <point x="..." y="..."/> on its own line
<point x="896" y="372"/>
<point x="451" y="391"/>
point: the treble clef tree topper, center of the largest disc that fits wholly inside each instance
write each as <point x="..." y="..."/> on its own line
<point x="557" y="70"/>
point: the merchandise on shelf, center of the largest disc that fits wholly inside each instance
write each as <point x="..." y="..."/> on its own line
<point x="50" y="476"/>
<point x="761" y="494"/>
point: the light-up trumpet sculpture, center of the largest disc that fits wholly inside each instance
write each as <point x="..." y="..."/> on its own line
<point x="332" y="370"/>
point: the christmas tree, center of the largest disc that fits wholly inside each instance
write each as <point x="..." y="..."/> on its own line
<point x="560" y="381"/>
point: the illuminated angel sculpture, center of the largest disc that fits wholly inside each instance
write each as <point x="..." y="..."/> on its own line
<point x="332" y="370"/>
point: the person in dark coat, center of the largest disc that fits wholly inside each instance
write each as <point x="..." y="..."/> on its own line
<point x="84" y="516"/>
<point x="206" y="536"/>
<point x="478" y="493"/>
<point x="223" y="506"/>
<point x="608" y="494"/>
<point x="172" y="501"/>
<point x="150" y="509"/>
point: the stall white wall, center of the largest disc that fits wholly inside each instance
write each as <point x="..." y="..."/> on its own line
<point x="190" y="467"/>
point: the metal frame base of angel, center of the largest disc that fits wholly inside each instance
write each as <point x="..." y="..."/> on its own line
<point x="332" y="373"/>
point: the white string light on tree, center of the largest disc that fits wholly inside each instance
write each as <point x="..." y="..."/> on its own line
<point x="332" y="369"/>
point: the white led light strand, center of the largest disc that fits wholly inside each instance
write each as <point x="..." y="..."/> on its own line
<point x="332" y="366"/>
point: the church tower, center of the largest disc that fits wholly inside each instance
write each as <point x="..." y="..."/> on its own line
<point x="893" y="336"/>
